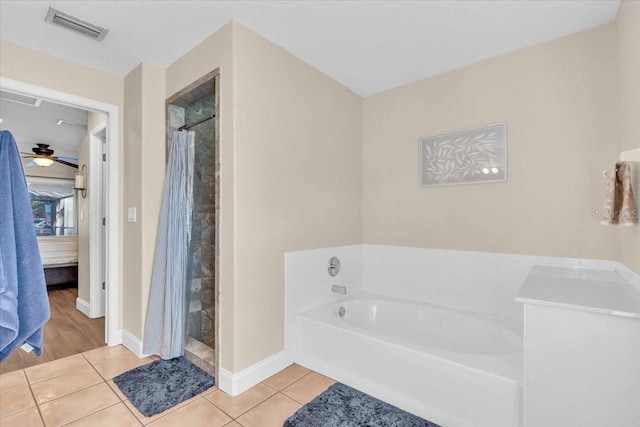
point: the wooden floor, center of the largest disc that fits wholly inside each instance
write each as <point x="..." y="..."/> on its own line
<point x="67" y="332"/>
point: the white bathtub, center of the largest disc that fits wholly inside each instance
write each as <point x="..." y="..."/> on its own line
<point x="455" y="368"/>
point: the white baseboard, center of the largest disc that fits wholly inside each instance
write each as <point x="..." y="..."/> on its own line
<point x="132" y="343"/>
<point x="235" y="383"/>
<point x="83" y="306"/>
<point x="115" y="338"/>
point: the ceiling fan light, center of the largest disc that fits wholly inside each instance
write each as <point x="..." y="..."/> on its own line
<point x="43" y="161"/>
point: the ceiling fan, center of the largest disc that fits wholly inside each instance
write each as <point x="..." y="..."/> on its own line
<point x="44" y="157"/>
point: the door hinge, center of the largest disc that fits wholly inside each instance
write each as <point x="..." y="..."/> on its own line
<point x="104" y="221"/>
<point x="103" y="286"/>
<point x="104" y="157"/>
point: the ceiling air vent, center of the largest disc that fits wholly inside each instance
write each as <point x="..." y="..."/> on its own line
<point x="74" y="24"/>
<point x="20" y="99"/>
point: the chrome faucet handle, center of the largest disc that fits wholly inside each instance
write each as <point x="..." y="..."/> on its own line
<point x="334" y="266"/>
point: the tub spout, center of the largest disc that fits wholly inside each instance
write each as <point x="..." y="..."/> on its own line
<point x="342" y="290"/>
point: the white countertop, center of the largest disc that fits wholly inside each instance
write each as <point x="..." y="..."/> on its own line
<point x="588" y="290"/>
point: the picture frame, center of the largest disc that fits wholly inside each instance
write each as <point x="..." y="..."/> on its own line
<point x="470" y="156"/>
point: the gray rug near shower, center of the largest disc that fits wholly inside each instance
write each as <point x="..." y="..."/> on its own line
<point x="343" y="406"/>
<point x="160" y="385"/>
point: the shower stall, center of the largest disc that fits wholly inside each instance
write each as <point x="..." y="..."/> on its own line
<point x="195" y="109"/>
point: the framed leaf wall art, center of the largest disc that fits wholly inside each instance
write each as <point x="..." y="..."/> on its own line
<point x="470" y="156"/>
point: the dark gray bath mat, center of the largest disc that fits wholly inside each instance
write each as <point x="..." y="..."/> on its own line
<point x="160" y="385"/>
<point x="343" y="406"/>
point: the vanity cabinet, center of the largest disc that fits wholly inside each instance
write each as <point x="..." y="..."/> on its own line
<point x="581" y="349"/>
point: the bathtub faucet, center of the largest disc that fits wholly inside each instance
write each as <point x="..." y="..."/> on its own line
<point x="342" y="290"/>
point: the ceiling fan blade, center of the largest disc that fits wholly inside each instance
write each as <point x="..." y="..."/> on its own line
<point x="64" y="162"/>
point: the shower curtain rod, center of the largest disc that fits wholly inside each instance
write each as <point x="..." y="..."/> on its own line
<point x="187" y="127"/>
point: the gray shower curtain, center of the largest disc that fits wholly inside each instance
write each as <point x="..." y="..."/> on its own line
<point x="164" y="331"/>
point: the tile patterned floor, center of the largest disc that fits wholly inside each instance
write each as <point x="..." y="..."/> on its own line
<point x="79" y="391"/>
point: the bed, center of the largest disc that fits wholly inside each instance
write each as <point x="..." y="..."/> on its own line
<point x="59" y="256"/>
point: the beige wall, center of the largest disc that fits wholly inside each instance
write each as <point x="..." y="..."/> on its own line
<point x="30" y="66"/>
<point x="153" y="169"/>
<point x="144" y="164"/>
<point x="297" y="179"/>
<point x="559" y="100"/>
<point x="132" y="176"/>
<point x="216" y="52"/>
<point x="628" y="25"/>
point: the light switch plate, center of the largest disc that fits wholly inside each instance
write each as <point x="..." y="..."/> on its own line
<point x="131" y="214"/>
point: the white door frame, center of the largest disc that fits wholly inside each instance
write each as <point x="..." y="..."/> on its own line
<point x="96" y="213"/>
<point x="113" y="332"/>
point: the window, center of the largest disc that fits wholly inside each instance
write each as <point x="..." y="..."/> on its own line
<point x="53" y="206"/>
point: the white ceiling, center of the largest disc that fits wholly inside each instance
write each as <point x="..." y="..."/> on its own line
<point x="369" y="46"/>
<point x="30" y="125"/>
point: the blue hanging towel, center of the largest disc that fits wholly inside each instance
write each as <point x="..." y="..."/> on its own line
<point x="24" y="304"/>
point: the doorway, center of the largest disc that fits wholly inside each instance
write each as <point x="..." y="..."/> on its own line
<point x="106" y="193"/>
<point x="196" y="109"/>
<point x="97" y="214"/>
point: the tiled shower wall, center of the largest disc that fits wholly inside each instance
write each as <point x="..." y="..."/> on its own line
<point x="200" y="320"/>
<point x="200" y="294"/>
